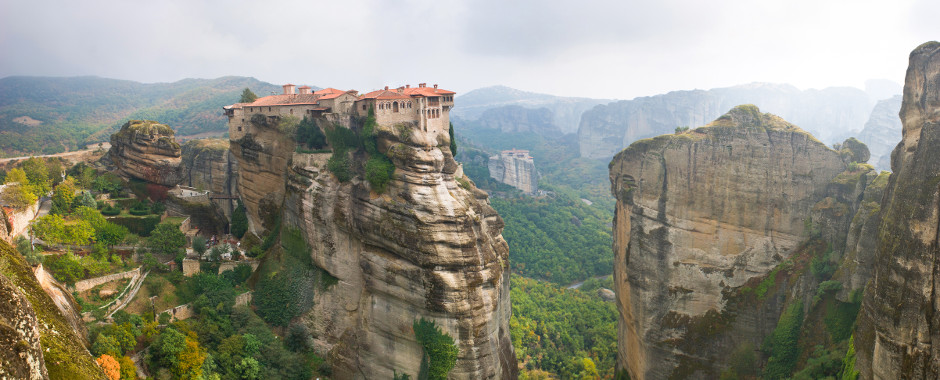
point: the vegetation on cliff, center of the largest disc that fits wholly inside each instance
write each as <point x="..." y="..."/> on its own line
<point x="63" y="349"/>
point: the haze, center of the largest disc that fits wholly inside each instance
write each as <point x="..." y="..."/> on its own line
<point x="589" y="48"/>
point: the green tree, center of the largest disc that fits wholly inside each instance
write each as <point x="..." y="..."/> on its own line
<point x="38" y="175"/>
<point x="110" y="234"/>
<point x="239" y="221"/>
<point x="18" y="196"/>
<point x="166" y="239"/>
<point x="166" y="349"/>
<point x="50" y="228"/>
<point x="84" y="199"/>
<point x="247" y="96"/>
<point x="16" y="175"/>
<point x="62" y="197"/>
<point x="309" y="134"/>
<point x="453" y="140"/>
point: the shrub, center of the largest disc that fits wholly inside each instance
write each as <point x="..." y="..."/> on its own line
<point x="339" y="165"/>
<point x="782" y="344"/>
<point x="109" y="210"/>
<point x="142" y="226"/>
<point x="379" y="171"/>
<point x="440" y="352"/>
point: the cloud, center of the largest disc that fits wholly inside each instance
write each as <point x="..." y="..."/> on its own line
<point x="590" y="48"/>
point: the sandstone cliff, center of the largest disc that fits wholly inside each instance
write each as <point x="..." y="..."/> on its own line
<point x="898" y="333"/>
<point x="36" y="339"/>
<point x="516" y="170"/>
<point x="703" y="216"/>
<point x="146" y="150"/>
<point x="428" y="247"/>
<point x="207" y="164"/>
<point x="832" y="114"/>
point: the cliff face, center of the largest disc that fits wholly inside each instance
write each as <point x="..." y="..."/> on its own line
<point x="898" y="333"/>
<point x="831" y="114"/>
<point x="207" y="164"/>
<point x="882" y="131"/>
<point x="262" y="158"/>
<point x="518" y="172"/>
<point x="428" y="247"/>
<point x="36" y="339"/>
<point x="698" y="215"/>
<point x="146" y="150"/>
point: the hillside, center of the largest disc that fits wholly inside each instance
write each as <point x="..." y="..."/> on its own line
<point x="51" y="115"/>
<point x="564" y="112"/>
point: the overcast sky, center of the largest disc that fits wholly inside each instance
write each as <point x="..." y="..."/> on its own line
<point x="601" y="49"/>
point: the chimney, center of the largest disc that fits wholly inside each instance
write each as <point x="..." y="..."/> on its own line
<point x="288" y="89"/>
<point x="386" y="88"/>
<point x="422" y="85"/>
<point x="407" y="86"/>
<point x="435" y="85"/>
<point x="304" y="90"/>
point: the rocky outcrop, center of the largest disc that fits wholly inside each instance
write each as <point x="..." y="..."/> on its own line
<point x="700" y="214"/>
<point x="36" y="339"/>
<point x="898" y="334"/>
<point x="882" y="131"/>
<point x="146" y="150"/>
<point x="428" y="247"/>
<point x="832" y="114"/>
<point x="21" y="357"/>
<point x="262" y="158"/>
<point x="515" y="168"/>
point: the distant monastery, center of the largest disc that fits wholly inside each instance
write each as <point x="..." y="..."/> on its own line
<point x="426" y="107"/>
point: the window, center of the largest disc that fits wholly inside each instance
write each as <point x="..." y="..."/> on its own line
<point x="394" y="106"/>
<point x="269" y="109"/>
<point x="291" y="111"/>
<point x="239" y="128"/>
<point x="363" y="107"/>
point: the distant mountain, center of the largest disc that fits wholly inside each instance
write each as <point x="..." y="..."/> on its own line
<point x="830" y="114"/>
<point x="51" y="115"/>
<point x="565" y="112"/>
<point x="882" y="132"/>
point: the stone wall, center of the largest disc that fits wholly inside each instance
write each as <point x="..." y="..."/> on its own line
<point x="83" y="285"/>
<point x="230" y="265"/>
<point x="190" y="267"/>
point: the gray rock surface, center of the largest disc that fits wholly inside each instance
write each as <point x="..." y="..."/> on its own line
<point x="898" y="333"/>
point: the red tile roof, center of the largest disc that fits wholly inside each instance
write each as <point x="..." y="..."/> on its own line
<point x="329" y="91"/>
<point x="384" y="94"/>
<point x="427" y="91"/>
<point x="277" y="100"/>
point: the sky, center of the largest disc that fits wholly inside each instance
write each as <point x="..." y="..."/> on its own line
<point x="587" y="48"/>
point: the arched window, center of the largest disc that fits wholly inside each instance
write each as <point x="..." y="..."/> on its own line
<point x="381" y="106"/>
<point x="394" y="106"/>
